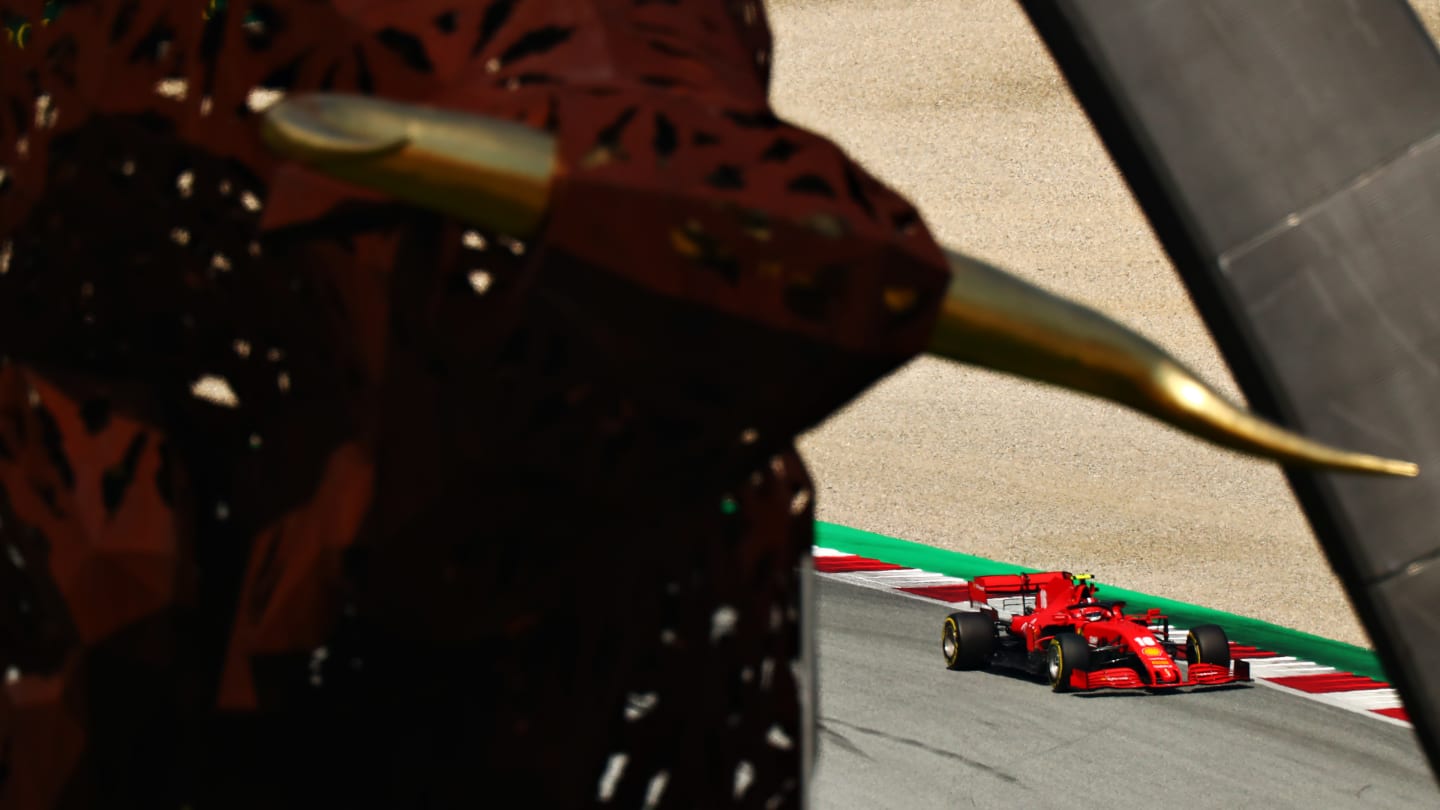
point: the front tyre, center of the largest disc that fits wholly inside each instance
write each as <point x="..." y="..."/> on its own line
<point x="1065" y="655"/>
<point x="967" y="640"/>
<point x="1207" y="644"/>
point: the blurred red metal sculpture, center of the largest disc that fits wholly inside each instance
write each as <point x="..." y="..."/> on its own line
<point x="311" y="496"/>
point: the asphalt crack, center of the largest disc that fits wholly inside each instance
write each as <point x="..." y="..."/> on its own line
<point x="940" y="752"/>
<point x="843" y="741"/>
<point x="1067" y="742"/>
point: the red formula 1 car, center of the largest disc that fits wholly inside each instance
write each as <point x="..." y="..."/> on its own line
<point x="1052" y="623"/>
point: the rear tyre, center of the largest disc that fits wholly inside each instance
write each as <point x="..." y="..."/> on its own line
<point x="1065" y="655"/>
<point x="1207" y="644"/>
<point x="967" y="640"/>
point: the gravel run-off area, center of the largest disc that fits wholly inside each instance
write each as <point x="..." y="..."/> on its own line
<point x="957" y="104"/>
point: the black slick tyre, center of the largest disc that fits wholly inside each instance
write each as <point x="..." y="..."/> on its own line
<point x="967" y="640"/>
<point x="1065" y="655"/>
<point x="1207" y="644"/>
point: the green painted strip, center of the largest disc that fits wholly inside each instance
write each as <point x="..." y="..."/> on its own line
<point x="1266" y="636"/>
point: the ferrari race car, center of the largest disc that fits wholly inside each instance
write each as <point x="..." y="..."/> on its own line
<point x="1052" y="623"/>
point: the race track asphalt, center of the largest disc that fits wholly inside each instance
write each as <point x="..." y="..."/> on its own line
<point x="898" y="730"/>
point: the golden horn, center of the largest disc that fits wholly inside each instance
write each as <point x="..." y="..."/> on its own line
<point x="994" y="320"/>
<point x="493" y="173"/>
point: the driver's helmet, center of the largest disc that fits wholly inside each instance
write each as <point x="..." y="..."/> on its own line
<point x="1094" y="615"/>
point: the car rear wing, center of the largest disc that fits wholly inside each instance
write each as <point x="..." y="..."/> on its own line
<point x="985" y="588"/>
<point x="1002" y="597"/>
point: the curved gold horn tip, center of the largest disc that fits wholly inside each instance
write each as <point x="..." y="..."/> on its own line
<point x="1177" y="396"/>
<point x="1360" y="463"/>
<point x="1404" y="469"/>
<point x="997" y="321"/>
